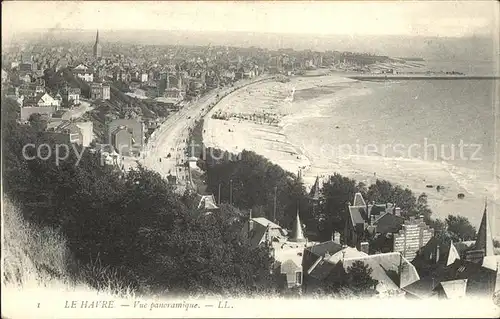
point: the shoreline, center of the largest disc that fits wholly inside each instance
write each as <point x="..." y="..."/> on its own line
<point x="269" y="138"/>
<point x="367" y="77"/>
<point x="171" y="137"/>
<point x="289" y="148"/>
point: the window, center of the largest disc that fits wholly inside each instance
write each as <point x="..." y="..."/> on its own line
<point x="298" y="278"/>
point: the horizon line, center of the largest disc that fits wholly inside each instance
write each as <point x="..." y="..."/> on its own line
<point x="481" y="35"/>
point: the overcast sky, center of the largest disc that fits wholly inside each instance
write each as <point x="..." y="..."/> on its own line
<point x="427" y="18"/>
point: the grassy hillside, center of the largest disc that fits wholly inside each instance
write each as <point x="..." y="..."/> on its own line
<point x="36" y="257"/>
<point x="37" y="265"/>
<point x="32" y="255"/>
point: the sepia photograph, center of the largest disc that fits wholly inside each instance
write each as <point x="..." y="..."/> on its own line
<point x="242" y="159"/>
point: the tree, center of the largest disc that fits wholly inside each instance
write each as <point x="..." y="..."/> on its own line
<point x="460" y="228"/>
<point x="337" y="192"/>
<point x="54" y="81"/>
<point x="250" y="180"/>
<point x="422" y="208"/>
<point x="122" y="86"/>
<point x="38" y="122"/>
<point x="385" y="192"/>
<point x="205" y="254"/>
<point x="360" y="280"/>
<point x="134" y="223"/>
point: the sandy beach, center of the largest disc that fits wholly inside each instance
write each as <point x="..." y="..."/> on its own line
<point x="253" y="119"/>
<point x="261" y="118"/>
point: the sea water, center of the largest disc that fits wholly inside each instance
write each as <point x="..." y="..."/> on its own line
<point x="416" y="131"/>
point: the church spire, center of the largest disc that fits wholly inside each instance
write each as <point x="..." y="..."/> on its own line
<point x="315" y="192"/>
<point x="297" y="232"/>
<point x="97" y="47"/>
<point x="484" y="239"/>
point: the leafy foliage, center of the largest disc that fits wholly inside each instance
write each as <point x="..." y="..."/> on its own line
<point x="251" y="181"/>
<point x="122" y="86"/>
<point x="460" y="228"/>
<point x="134" y="225"/>
<point x="54" y="81"/>
<point x="38" y="122"/>
<point x="385" y="192"/>
<point x="355" y="281"/>
<point x="360" y="280"/>
<point x="337" y="192"/>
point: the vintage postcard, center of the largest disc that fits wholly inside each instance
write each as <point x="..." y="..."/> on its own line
<point x="272" y="159"/>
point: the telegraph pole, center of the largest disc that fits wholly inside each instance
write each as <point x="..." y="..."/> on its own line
<point x="219" y="195"/>
<point x="275" y="191"/>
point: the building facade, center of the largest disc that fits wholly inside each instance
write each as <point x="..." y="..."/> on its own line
<point x="414" y="235"/>
<point x="67" y="132"/>
<point x="370" y="221"/>
<point x="73" y="96"/>
<point x="285" y="247"/>
<point x="100" y="91"/>
<point x="26" y="112"/>
<point x="127" y="134"/>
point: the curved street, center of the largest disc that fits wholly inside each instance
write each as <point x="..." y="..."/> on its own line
<point x="172" y="136"/>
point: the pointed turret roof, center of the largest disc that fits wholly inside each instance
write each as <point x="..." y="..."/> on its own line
<point x="452" y="254"/>
<point x="297" y="232"/>
<point x="315" y="192"/>
<point x="359" y="200"/>
<point x="484" y="239"/>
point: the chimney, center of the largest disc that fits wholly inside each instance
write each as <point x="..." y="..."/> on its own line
<point x="268" y="234"/>
<point x="365" y="247"/>
<point x="389" y="208"/>
<point x="368" y="211"/>
<point x="336" y="237"/>
<point x="397" y="211"/>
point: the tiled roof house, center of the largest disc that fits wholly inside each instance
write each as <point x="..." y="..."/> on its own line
<point x="285" y="248"/>
<point x="366" y="220"/>
<point x="471" y="278"/>
<point x="330" y="261"/>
